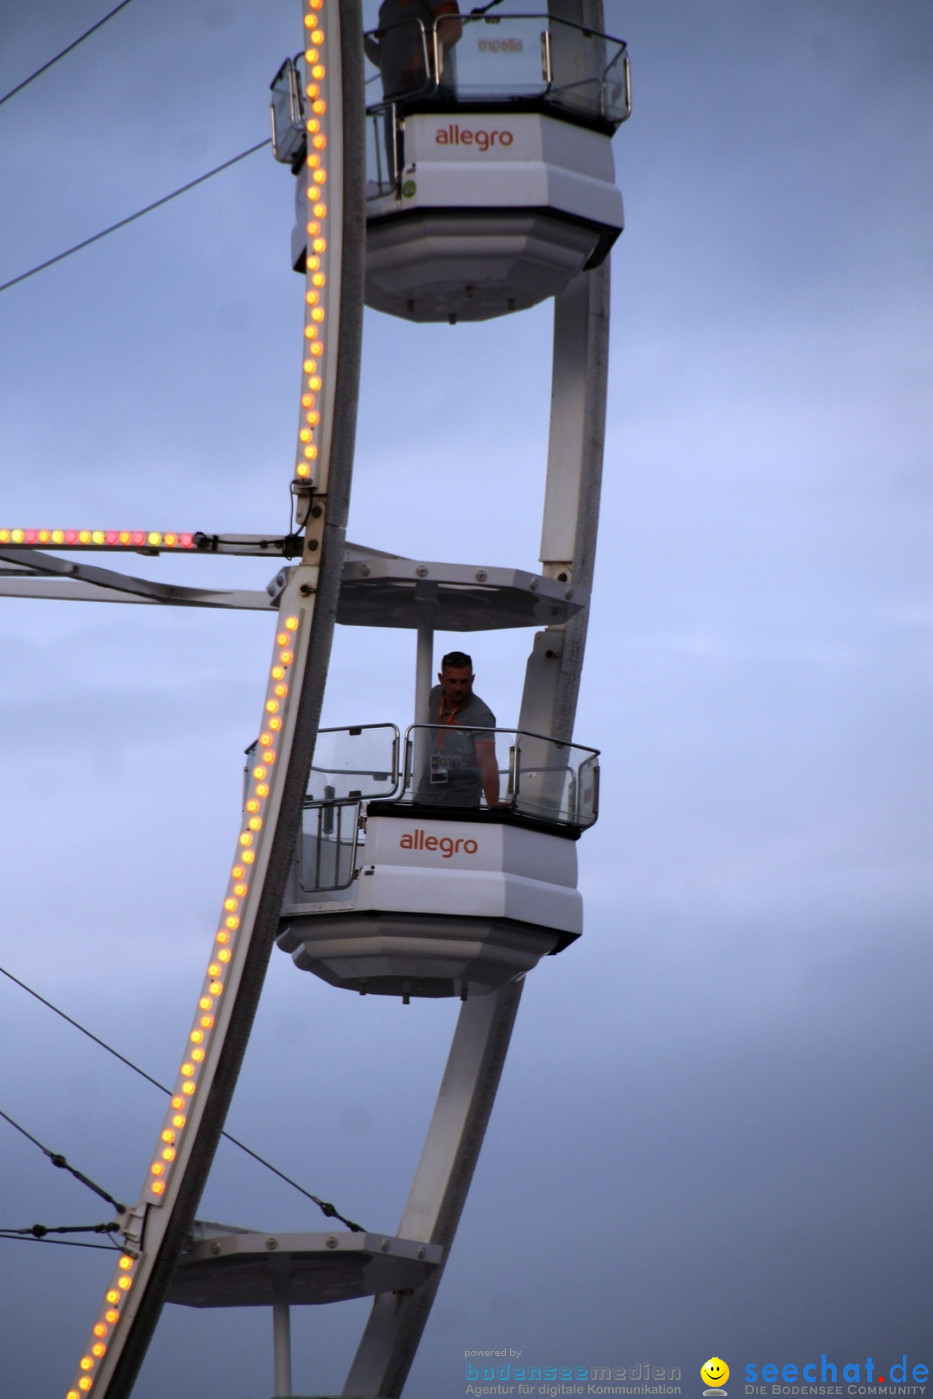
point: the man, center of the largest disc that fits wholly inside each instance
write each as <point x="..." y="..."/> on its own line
<point x="459" y="765"/>
<point x="400" y="51"/>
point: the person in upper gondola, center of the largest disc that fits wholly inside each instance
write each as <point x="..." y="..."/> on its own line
<point x="460" y="764"/>
<point x="404" y="48"/>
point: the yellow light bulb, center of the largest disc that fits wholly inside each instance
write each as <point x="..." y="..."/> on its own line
<point x="302" y="469"/>
<point x="168" y="1153"/>
<point x="112" y="1296"/>
<point x="225" y="955"/>
<point x="179" y="1119"/>
<point x="187" y="1088"/>
<point x="99" y="1329"/>
<point x="112" y="1314"/>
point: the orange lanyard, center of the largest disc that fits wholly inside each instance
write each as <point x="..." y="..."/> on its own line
<point x="441" y="720"/>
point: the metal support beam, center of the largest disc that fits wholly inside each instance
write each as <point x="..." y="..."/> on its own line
<point x="571" y="504"/>
<point x="35" y="574"/>
<point x="282" y="1338"/>
<point x="439" y="1190"/>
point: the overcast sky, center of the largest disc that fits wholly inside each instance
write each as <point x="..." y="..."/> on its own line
<point x="712" y="1134"/>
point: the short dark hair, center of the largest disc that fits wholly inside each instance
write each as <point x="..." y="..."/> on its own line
<point x="456" y="660"/>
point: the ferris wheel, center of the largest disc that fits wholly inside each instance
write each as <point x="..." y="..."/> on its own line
<point x="449" y="167"/>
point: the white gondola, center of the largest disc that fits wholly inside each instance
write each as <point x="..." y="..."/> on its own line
<point x="402" y="895"/>
<point x="491" y="180"/>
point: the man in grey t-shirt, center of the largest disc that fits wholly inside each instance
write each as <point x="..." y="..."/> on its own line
<point x="460" y="766"/>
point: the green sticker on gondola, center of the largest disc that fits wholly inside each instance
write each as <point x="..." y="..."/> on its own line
<point x="409" y="188"/>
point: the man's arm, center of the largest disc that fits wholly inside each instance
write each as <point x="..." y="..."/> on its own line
<point x="450" y="29"/>
<point x="489" y="772"/>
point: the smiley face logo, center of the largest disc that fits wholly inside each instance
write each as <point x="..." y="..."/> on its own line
<point x="715" y="1372"/>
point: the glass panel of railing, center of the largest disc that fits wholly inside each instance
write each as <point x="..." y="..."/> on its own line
<point x="588" y="72"/>
<point x="451" y="766"/>
<point x="358" y="762"/>
<point x="288" y="132"/>
<point x="403" y="56"/>
<point x="327" y="847"/>
<point x="382" y="151"/>
<point x="497" y="58"/>
<point x="534" y="775"/>
<point x="501" y="56"/>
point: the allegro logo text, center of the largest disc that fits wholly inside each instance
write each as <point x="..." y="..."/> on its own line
<point x="447" y="845"/>
<point x="455" y="135"/>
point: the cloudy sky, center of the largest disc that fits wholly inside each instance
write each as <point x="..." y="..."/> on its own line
<point x="714" y="1117"/>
